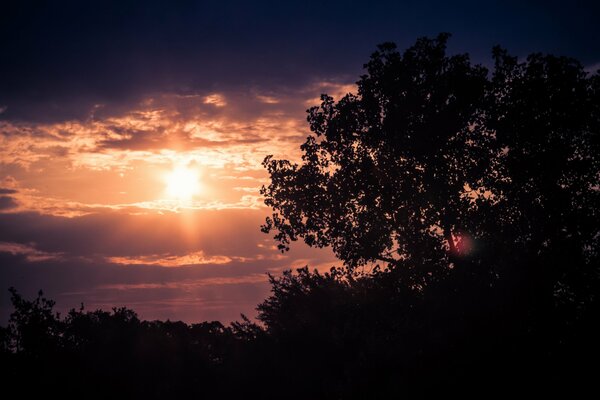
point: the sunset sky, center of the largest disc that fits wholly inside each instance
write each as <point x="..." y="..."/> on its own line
<point x="132" y="133"/>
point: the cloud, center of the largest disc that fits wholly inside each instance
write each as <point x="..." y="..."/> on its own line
<point x="7" y="202"/>
<point x="30" y="253"/>
<point x="593" y="68"/>
<point x="170" y="260"/>
<point x="189" y="293"/>
<point x="267" y="99"/>
<point x="204" y="265"/>
<point x="118" y="162"/>
<point x="134" y="52"/>
<point x="85" y="214"/>
<point x="217" y="100"/>
<point x="47" y="78"/>
<point x="166" y="122"/>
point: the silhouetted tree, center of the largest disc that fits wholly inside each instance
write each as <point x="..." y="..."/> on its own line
<point x="390" y="173"/>
<point x="431" y="153"/>
<point x="544" y="113"/>
<point x="480" y="192"/>
<point x="33" y="328"/>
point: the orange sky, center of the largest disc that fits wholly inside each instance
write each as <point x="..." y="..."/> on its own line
<point x="92" y="210"/>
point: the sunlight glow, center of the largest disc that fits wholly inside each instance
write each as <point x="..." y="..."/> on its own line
<point x="183" y="183"/>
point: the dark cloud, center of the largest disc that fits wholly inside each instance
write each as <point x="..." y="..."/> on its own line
<point x="134" y="139"/>
<point x="7" y="202"/>
<point x="86" y="259"/>
<point x="188" y="293"/>
<point x="61" y="59"/>
<point x="156" y="139"/>
<point x="230" y="232"/>
<point x="192" y="293"/>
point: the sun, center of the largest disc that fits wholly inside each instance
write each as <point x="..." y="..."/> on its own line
<point x="182" y="183"/>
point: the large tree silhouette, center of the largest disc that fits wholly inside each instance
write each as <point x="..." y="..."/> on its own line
<point x="390" y="174"/>
<point x="477" y="191"/>
<point x="434" y="158"/>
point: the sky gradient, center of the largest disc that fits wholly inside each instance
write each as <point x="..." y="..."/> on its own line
<point x="100" y="102"/>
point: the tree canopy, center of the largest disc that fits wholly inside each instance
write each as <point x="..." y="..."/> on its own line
<point x="434" y="158"/>
<point x="477" y="191"/>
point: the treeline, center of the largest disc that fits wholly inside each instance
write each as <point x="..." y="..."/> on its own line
<point x="464" y="205"/>
<point x="100" y="354"/>
<point x="319" y="336"/>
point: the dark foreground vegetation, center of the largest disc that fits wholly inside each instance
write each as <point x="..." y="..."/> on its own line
<point x="464" y="206"/>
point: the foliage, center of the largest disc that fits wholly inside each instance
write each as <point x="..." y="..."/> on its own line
<point x="100" y="353"/>
<point x="388" y="174"/>
<point x="433" y="155"/>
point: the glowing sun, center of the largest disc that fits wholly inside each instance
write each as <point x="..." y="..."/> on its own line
<point x="182" y="183"/>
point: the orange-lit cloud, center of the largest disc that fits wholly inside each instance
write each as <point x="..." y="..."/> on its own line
<point x="92" y="199"/>
<point x="215" y="99"/>
<point x="167" y="260"/>
<point x="30" y="253"/>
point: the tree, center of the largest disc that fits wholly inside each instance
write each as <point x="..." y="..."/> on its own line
<point x="545" y="115"/>
<point x="389" y="175"/>
<point x="480" y="190"/>
<point x="432" y="153"/>
<point x="33" y="328"/>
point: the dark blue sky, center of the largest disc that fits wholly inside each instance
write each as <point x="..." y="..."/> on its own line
<point x="61" y="57"/>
